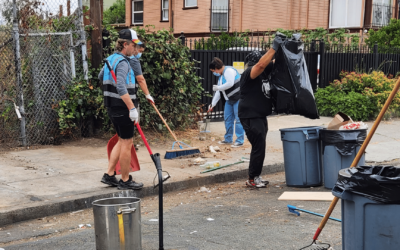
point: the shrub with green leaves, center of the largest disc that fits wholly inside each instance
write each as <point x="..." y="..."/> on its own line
<point x="171" y="78"/>
<point x="361" y="96"/>
<point x="115" y="14"/>
<point x="386" y="36"/>
<point x="223" y="41"/>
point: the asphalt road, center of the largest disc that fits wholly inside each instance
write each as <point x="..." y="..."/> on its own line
<point x="243" y="218"/>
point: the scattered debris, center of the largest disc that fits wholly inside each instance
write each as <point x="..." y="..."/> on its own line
<point x="231" y="183"/>
<point x="199" y="160"/>
<point x="81" y="225"/>
<point x="212" y="150"/>
<point x="210" y="219"/>
<point x="193" y="232"/>
<point x="88" y="225"/>
<point x="76" y="212"/>
<point x="204" y="189"/>
<point x="216" y="148"/>
<point x="219" y="205"/>
<point x="153" y="220"/>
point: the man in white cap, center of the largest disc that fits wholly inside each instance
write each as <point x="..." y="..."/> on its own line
<point x="121" y="102"/>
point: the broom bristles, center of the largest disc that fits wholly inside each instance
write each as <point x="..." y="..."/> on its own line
<point x="180" y="153"/>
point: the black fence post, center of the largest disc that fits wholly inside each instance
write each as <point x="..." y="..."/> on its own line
<point x="183" y="39"/>
<point x="312" y="47"/>
<point x="376" y="56"/>
<point x="321" y="63"/>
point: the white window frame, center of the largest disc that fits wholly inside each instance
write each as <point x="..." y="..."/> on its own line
<point x="220" y="11"/>
<point x="164" y="9"/>
<point x="347" y="8"/>
<point x="190" y="6"/>
<point x="133" y="11"/>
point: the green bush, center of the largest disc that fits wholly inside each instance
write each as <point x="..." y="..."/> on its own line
<point x="171" y="78"/>
<point x="115" y="14"/>
<point x="223" y="41"/>
<point x="361" y="96"/>
<point x="385" y="36"/>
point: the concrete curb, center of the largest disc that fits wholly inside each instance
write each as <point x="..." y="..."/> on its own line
<point x="84" y="201"/>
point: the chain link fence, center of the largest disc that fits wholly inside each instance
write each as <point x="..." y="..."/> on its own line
<point x="39" y="57"/>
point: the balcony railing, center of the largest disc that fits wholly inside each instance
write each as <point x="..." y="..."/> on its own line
<point x="381" y="14"/>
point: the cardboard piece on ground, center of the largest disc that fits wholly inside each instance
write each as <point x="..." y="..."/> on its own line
<point x="340" y="119"/>
<point x="306" y="196"/>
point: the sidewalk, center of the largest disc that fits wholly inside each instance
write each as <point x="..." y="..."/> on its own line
<point x="57" y="179"/>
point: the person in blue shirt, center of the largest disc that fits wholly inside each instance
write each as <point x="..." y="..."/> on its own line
<point x="229" y="86"/>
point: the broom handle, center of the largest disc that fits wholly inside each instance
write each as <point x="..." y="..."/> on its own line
<point x="172" y="133"/>
<point x="360" y="153"/>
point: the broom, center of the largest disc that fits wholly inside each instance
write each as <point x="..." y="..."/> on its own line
<point x="174" y="153"/>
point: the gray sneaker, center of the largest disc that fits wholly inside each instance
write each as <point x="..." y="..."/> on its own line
<point x="236" y="145"/>
<point x="224" y="142"/>
<point x="261" y="180"/>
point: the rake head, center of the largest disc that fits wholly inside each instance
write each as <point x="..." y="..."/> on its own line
<point x="316" y="246"/>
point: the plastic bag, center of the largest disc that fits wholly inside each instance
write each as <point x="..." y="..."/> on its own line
<point x="345" y="141"/>
<point x="290" y="83"/>
<point x="354" y="125"/>
<point x="377" y="183"/>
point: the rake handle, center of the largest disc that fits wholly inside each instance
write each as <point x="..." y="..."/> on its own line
<point x="172" y="133"/>
<point x="360" y="153"/>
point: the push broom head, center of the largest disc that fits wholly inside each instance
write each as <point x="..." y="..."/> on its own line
<point x="170" y="154"/>
<point x="181" y="152"/>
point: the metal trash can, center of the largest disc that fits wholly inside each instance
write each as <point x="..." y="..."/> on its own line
<point x="369" y="223"/>
<point x="339" y="148"/>
<point x="117" y="223"/>
<point x="302" y="156"/>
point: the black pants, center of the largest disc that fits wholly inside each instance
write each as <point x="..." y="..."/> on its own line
<point x="256" y="132"/>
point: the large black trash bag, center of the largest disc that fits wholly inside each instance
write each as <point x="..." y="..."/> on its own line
<point x="377" y="183"/>
<point x="345" y="141"/>
<point x="290" y="83"/>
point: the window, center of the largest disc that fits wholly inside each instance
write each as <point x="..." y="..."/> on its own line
<point x="381" y="12"/>
<point x="164" y="10"/>
<point x="219" y="15"/>
<point x="190" y="3"/>
<point x="345" y="13"/>
<point x="137" y="11"/>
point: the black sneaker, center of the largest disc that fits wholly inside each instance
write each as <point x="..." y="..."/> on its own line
<point x="130" y="184"/>
<point x="110" y="180"/>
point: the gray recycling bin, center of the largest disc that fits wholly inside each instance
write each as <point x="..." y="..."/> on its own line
<point x="339" y="148"/>
<point x="369" y="223"/>
<point x="117" y="223"/>
<point x="302" y="156"/>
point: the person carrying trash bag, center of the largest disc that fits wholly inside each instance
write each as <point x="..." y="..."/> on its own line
<point x="121" y="102"/>
<point x="229" y="86"/>
<point x="254" y="106"/>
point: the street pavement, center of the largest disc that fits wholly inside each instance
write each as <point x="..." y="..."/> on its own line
<point x="50" y="180"/>
<point x="229" y="216"/>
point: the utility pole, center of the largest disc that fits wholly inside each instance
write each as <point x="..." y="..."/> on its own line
<point x="96" y="40"/>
